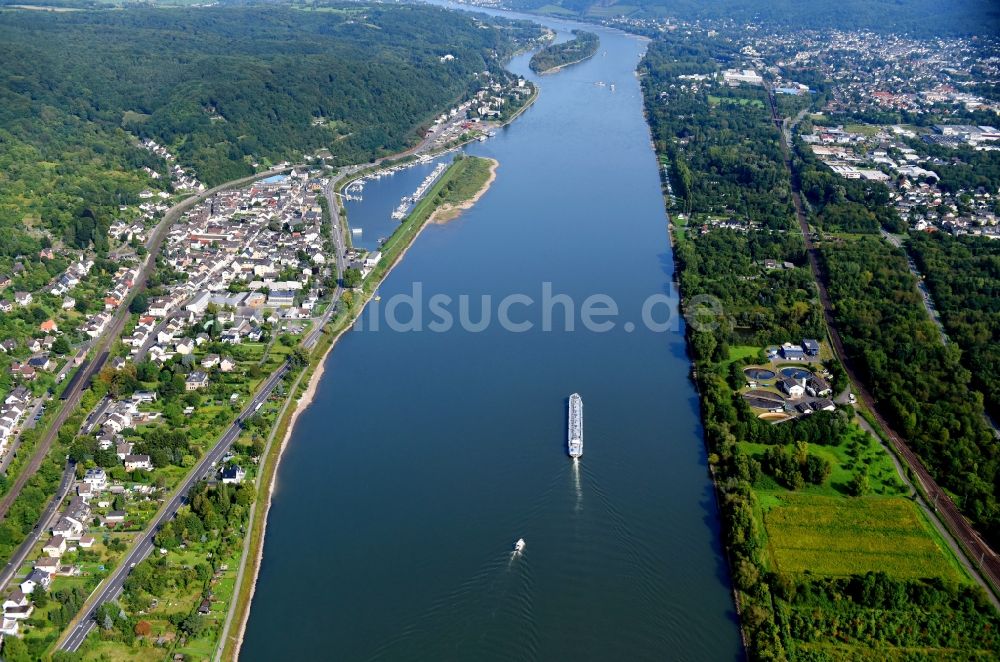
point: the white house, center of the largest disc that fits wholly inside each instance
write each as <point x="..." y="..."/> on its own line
<point x="136" y="462"/>
<point x="55" y="547"/>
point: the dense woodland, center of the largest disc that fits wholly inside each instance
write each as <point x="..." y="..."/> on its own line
<point x="580" y="47"/>
<point x="724" y="153"/>
<point x="963" y="274"/>
<point x="223" y="88"/>
<point x="920" y="383"/>
<point x="725" y="162"/>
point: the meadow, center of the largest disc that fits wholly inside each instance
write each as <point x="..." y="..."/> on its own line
<point x="840" y="537"/>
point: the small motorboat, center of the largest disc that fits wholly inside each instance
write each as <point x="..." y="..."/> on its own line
<point x="377" y="297"/>
<point x="519" y="546"/>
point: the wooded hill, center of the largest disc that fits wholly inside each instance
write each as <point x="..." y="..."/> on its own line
<point x="222" y="88"/>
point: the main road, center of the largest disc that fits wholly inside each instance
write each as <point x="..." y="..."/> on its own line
<point x="112" y="586"/>
<point x="71" y="397"/>
<point x="21" y="553"/>
<point x="143" y="546"/>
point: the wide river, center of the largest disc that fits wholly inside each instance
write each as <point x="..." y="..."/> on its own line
<point x="426" y="454"/>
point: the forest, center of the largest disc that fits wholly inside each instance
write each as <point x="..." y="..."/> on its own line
<point x="582" y="46"/>
<point x="919" y="383"/>
<point x="963" y="274"/>
<point x="724" y="153"/>
<point x="225" y="88"/>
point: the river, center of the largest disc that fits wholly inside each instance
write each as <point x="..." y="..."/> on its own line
<point x="426" y="454"/>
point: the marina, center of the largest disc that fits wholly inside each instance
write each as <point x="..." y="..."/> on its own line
<point x="408" y="201"/>
<point x="372" y="216"/>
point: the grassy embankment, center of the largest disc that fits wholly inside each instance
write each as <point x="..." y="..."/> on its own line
<point x="455" y="186"/>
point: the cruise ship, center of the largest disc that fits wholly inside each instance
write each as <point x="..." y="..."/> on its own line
<point x="575" y="428"/>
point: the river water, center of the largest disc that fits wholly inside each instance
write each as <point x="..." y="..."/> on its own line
<point x="426" y="454"/>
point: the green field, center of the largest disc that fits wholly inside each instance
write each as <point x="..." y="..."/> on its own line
<point x="470" y="175"/>
<point x="840" y="537"/>
<point x="864" y="129"/>
<point x="715" y="101"/>
<point x="857" y="451"/>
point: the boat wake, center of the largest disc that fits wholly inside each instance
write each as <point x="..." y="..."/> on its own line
<point x="578" y="487"/>
<point x="475" y="619"/>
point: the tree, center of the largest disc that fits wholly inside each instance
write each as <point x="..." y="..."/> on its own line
<point x="139" y="304"/>
<point x="15" y="650"/>
<point x="352" y="278"/>
<point x="61" y="346"/>
<point x="143" y="628"/>
<point x="191" y="625"/>
<point x="860" y="485"/>
<point x="40" y="597"/>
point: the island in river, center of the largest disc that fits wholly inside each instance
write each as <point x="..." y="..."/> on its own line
<point x="553" y="58"/>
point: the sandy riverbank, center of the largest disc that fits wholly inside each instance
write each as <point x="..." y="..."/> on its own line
<point x="449" y="212"/>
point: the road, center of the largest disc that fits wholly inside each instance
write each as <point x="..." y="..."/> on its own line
<point x="337" y="232"/>
<point x="29" y="422"/>
<point x="20" y="554"/>
<point x="113" y="331"/>
<point x="111" y="587"/>
<point x="975" y="548"/>
<point x="69" y="474"/>
<point x="925" y="294"/>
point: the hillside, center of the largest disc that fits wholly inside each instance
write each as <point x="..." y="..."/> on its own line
<point x="222" y="88"/>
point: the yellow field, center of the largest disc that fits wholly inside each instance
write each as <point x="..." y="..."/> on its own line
<point x="835" y="536"/>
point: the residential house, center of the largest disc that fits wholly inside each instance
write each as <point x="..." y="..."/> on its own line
<point x="42" y="362"/>
<point x="115" y="517"/>
<point x="195" y="381"/>
<point x="55" y="547"/>
<point x="124" y="449"/>
<point x="138" y="462"/>
<point x="17" y="606"/>
<point x="35" y="579"/>
<point x="47" y="564"/>
<point x="68" y="528"/>
<point x="233" y="474"/>
<point x="96" y="478"/>
<point x="9" y="627"/>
